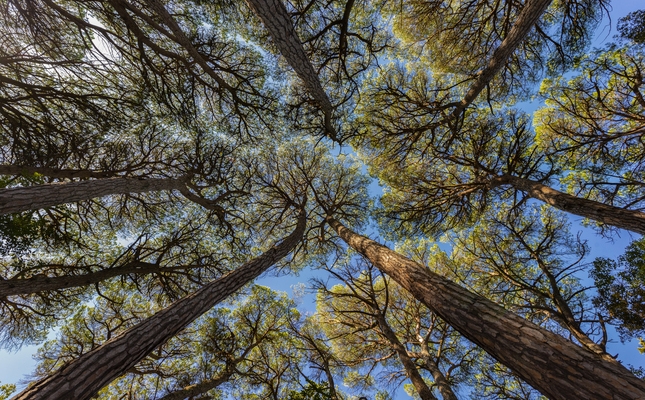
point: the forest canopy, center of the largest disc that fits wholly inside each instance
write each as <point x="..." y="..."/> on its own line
<point x="156" y="157"/>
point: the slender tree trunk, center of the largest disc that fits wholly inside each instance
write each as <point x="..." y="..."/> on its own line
<point x="85" y="376"/>
<point x="527" y="18"/>
<point x="566" y="316"/>
<point x="433" y="366"/>
<point x="40" y="283"/>
<point x="19" y="199"/>
<point x="619" y="217"/>
<point x="408" y="364"/>
<point x="199" y="388"/>
<point x="550" y="363"/>
<point x="54" y="172"/>
<point x="439" y="378"/>
<point x="276" y="19"/>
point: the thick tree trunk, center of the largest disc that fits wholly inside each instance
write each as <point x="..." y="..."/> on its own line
<point x="619" y="217"/>
<point x="40" y="283"/>
<point x="408" y="364"/>
<point x="276" y="19"/>
<point x="85" y="376"/>
<point x="527" y="18"/>
<point x="54" y="172"/>
<point x="19" y="199"/>
<point x="553" y="365"/>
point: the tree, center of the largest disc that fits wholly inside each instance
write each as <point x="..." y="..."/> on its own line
<point x="443" y="186"/>
<point x="620" y="288"/>
<point x="527" y="261"/>
<point x="78" y="379"/>
<point x="220" y="347"/>
<point x="494" y="329"/>
<point x="373" y="321"/>
<point x="351" y="310"/>
<point x="496" y="36"/>
<point x="600" y="113"/>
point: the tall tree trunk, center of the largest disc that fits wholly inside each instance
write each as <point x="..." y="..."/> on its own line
<point x="550" y="363"/>
<point x="19" y="199"/>
<point x="85" y="376"/>
<point x="527" y="18"/>
<point x="276" y="19"/>
<point x="408" y="364"/>
<point x="40" y="283"/>
<point x="619" y="217"/>
<point x="7" y="169"/>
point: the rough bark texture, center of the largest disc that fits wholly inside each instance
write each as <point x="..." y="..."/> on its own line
<point x="550" y="363"/>
<point x="53" y="172"/>
<point x="19" y="199"/>
<point x="85" y="376"/>
<point x="529" y="15"/>
<point x="410" y="367"/>
<point x="276" y="19"/>
<point x="619" y="217"/>
<point x="35" y="284"/>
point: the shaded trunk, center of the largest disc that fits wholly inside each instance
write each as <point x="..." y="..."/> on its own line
<point x="408" y="364"/>
<point x="527" y="18"/>
<point x="550" y="363"/>
<point x="40" y="283"/>
<point x="619" y="217"/>
<point x="19" y="199"/>
<point x="276" y="19"/>
<point x="54" y="172"/>
<point x="85" y="376"/>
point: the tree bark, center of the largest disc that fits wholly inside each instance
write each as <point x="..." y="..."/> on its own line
<point x="408" y="364"/>
<point x="19" y="199"/>
<point x="276" y="19"/>
<point x="439" y="378"/>
<point x="40" y="283"/>
<point x="7" y="169"/>
<point x="528" y="17"/>
<point x="85" y="376"/>
<point x="556" y="367"/>
<point x="619" y="217"/>
<point x="199" y="388"/>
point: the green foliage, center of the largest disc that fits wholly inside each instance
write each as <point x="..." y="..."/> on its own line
<point x="6" y="390"/>
<point x="592" y="126"/>
<point x="632" y="26"/>
<point x="17" y="233"/>
<point x="311" y="391"/>
<point x="621" y="288"/>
